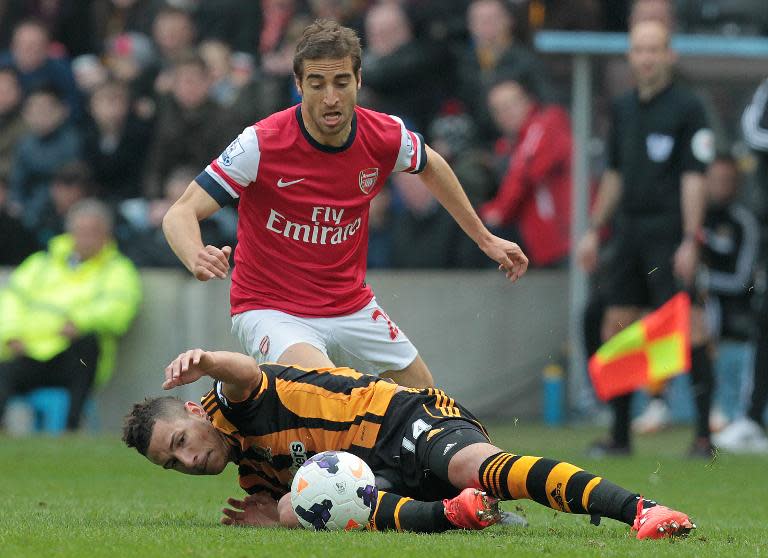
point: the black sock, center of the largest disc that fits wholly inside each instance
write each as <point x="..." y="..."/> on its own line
<point x="395" y="512"/>
<point x="620" y="428"/>
<point x="610" y="500"/>
<point x="702" y="385"/>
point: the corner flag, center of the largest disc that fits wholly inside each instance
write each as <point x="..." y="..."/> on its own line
<point x="650" y="350"/>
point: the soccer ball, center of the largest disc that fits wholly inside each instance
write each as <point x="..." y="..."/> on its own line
<point x="334" y="490"/>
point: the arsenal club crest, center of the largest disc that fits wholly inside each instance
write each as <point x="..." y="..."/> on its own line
<point x="368" y="178"/>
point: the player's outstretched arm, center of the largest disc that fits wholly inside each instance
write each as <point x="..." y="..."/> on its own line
<point x="445" y="186"/>
<point x="239" y="373"/>
<point x="181" y="226"/>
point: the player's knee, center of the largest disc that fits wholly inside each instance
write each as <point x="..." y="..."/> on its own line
<point x="464" y="467"/>
<point x="415" y="375"/>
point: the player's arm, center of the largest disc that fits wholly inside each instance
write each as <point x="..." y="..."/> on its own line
<point x="181" y="226"/>
<point x="239" y="374"/>
<point x="608" y="196"/>
<point x="693" y="202"/>
<point x="444" y="185"/>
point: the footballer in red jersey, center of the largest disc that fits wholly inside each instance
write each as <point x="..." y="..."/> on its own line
<point x="304" y="178"/>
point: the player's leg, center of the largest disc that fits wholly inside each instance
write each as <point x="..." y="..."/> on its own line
<point x="17" y="376"/>
<point x="371" y="342"/>
<point x="702" y="382"/>
<point x="555" y="484"/>
<point x="75" y="370"/>
<point x="416" y="374"/>
<point x="274" y="336"/>
<point x="306" y="356"/>
<point x="615" y="319"/>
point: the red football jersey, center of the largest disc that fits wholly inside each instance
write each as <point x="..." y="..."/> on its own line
<point x="303" y="209"/>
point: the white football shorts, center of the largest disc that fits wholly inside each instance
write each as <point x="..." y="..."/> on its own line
<point x="366" y="340"/>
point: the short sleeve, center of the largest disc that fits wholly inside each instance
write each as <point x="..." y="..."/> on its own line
<point x="240" y="412"/>
<point x="698" y="140"/>
<point x="412" y="155"/>
<point x="232" y="171"/>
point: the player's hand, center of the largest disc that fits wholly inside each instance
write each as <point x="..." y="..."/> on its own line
<point x="587" y="251"/>
<point x="685" y="261"/>
<point x="508" y="255"/>
<point x="211" y="263"/>
<point x="188" y="367"/>
<point x="70" y="331"/>
<point x="256" y="510"/>
<point x="17" y="347"/>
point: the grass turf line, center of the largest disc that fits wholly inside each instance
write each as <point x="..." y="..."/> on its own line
<point x="79" y="496"/>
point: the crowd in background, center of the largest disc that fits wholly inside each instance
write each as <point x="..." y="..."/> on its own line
<point x="126" y="100"/>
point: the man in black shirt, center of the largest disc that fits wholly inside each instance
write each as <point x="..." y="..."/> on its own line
<point x="653" y="191"/>
<point x="747" y="434"/>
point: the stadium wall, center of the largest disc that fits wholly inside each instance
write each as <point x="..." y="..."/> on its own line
<point x="486" y="341"/>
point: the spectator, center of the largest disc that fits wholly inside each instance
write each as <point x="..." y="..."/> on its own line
<point x="346" y="12"/>
<point x="116" y="142"/>
<point x="16" y="241"/>
<point x="234" y="86"/>
<point x="729" y="252"/>
<point x="89" y="73"/>
<point x="190" y="126"/>
<point x="659" y="147"/>
<point x="72" y="183"/>
<point x="454" y="136"/>
<point x="142" y="238"/>
<point x="747" y="434"/>
<point x="131" y="58"/>
<point x="12" y="126"/>
<point x="116" y="17"/>
<point x="64" y="310"/>
<point x="493" y="47"/>
<point x="535" y="193"/>
<point x="214" y="21"/>
<point x="276" y="47"/>
<point x="174" y="34"/>
<point x="30" y="57"/>
<point x="50" y="142"/>
<point x="402" y="76"/>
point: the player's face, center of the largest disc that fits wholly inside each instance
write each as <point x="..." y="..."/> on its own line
<point x="188" y="444"/>
<point x="510" y="106"/>
<point x="722" y="182"/>
<point x="650" y="55"/>
<point x="329" y="94"/>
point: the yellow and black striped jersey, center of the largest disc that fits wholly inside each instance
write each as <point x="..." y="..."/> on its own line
<point x="295" y="413"/>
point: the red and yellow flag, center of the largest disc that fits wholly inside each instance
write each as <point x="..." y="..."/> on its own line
<point x="649" y="351"/>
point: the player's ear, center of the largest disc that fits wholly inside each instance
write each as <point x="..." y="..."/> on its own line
<point x="359" y="78"/>
<point x="195" y="408"/>
<point x="297" y="83"/>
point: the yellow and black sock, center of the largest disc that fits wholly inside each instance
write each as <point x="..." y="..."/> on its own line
<point x="556" y="484"/>
<point x="398" y="513"/>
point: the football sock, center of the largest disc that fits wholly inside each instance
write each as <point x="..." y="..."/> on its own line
<point x="702" y="385"/>
<point x="556" y="484"/>
<point x="398" y="513"/>
<point x="620" y="427"/>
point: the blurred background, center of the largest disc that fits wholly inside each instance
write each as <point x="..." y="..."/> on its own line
<point x="127" y="100"/>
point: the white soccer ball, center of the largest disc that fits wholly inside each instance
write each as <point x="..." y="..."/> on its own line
<point x="332" y="491"/>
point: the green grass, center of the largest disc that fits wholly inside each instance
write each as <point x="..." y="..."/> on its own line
<point x="80" y="496"/>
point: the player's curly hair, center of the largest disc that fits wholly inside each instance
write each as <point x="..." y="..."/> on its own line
<point x="325" y="38"/>
<point x="138" y="424"/>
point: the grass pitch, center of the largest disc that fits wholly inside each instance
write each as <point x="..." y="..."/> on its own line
<point x="80" y="496"/>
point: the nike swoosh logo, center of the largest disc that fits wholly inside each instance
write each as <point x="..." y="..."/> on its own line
<point x="282" y="183"/>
